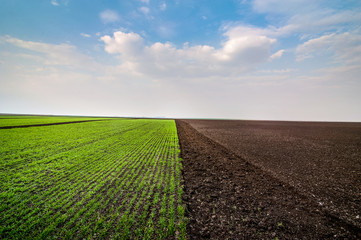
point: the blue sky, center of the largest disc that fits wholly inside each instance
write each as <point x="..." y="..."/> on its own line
<point x="244" y="59"/>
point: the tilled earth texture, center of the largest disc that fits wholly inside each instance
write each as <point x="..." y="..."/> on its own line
<point x="271" y="180"/>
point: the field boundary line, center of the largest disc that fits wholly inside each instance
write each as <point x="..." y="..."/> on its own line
<point x="50" y="124"/>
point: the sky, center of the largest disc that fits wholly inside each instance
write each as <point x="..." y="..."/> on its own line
<point x="225" y="59"/>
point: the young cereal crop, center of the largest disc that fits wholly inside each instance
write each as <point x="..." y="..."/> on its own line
<point x="112" y="179"/>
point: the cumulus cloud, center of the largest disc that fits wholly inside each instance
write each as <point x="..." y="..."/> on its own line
<point x="109" y="16"/>
<point x="345" y="47"/>
<point x="127" y="44"/>
<point x="249" y="44"/>
<point x="242" y="50"/>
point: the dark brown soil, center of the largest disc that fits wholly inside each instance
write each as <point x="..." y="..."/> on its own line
<point x="240" y="180"/>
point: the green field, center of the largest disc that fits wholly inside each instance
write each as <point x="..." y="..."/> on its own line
<point x="112" y="179"/>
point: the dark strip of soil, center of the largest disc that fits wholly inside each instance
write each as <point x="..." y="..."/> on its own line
<point x="229" y="198"/>
<point x="47" y="124"/>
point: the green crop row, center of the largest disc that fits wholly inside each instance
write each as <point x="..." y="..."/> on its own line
<point x="118" y="179"/>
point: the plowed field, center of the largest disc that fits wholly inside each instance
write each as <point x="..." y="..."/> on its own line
<point x="269" y="180"/>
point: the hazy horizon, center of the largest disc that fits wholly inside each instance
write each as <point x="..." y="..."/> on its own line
<point x="235" y="59"/>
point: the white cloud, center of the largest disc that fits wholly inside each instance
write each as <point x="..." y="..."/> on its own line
<point x="126" y="44"/>
<point x="54" y="3"/>
<point x="269" y="31"/>
<point x="163" y="6"/>
<point x="278" y="54"/>
<point x="345" y="47"/>
<point x="53" y="54"/>
<point x="85" y="35"/>
<point x="312" y="23"/>
<point x="317" y="22"/>
<point x="240" y="52"/>
<point x="246" y="45"/>
<point x="308" y="17"/>
<point x="109" y="16"/>
<point x="144" y="10"/>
